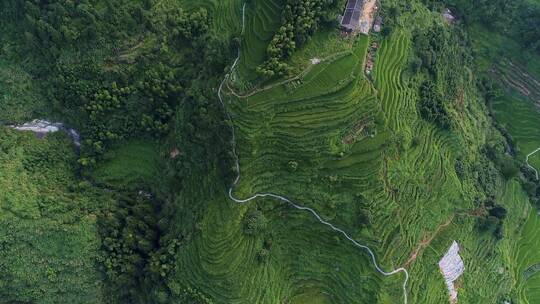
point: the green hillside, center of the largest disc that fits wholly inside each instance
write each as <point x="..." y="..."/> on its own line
<point x="513" y="102"/>
<point x="315" y="167"/>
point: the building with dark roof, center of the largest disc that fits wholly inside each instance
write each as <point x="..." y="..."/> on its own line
<point x="351" y="17"/>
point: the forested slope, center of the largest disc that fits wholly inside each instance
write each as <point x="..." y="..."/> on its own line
<point x="115" y="72"/>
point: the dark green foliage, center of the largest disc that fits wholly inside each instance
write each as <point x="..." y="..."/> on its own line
<point x="490" y="224"/>
<point x="192" y="296"/>
<point x="492" y="220"/>
<point x="391" y="13"/>
<point x="102" y="90"/>
<point x="506" y="164"/>
<point x="387" y="30"/>
<point x="292" y="165"/>
<point x="204" y="135"/>
<point x="254" y="222"/>
<point x="299" y="20"/>
<point x="129" y="236"/>
<point x="49" y="245"/>
<point x="531" y="185"/>
<point x="518" y="18"/>
<point x="162" y="261"/>
<point x="488" y="88"/>
<point x="43" y="261"/>
<point x="442" y="59"/>
<point x="431" y="105"/>
<point x="487" y="175"/>
<point x="498" y="212"/>
<point x="460" y="167"/>
<point x="138" y="252"/>
<point x="263" y="255"/>
<point x="119" y="71"/>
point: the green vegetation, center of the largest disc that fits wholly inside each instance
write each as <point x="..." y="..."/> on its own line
<point x="49" y="242"/>
<point x="132" y="164"/>
<point x="527" y="257"/>
<point x="508" y="62"/>
<point x="517" y="18"/>
<point x="132" y="78"/>
<point x="426" y="150"/>
<point x="299" y="20"/>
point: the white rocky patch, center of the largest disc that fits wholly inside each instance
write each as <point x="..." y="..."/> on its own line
<point x="315" y="61"/>
<point x="39" y="126"/>
<point x="43" y="127"/>
<point x="448" y="16"/>
<point x="452" y="267"/>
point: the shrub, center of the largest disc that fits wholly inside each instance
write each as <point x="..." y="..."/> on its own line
<point x="263" y="255"/>
<point x="254" y="223"/>
<point x="292" y="165"/>
<point x="431" y="105"/>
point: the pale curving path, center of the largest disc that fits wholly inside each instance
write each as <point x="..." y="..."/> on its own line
<point x="284" y="199"/>
<point x="529" y="165"/>
<point x="294" y="78"/>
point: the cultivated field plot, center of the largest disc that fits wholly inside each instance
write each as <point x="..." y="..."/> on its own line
<point x="262" y="21"/>
<point x="358" y="153"/>
<point x="522" y="119"/>
<point x="227" y="14"/>
<point x="290" y="142"/>
<point x="517" y="110"/>
<point x="527" y="259"/>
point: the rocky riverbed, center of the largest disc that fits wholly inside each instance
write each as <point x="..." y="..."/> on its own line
<point x="42" y="127"/>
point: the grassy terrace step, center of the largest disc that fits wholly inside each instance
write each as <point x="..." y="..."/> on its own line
<point x="224" y="252"/>
<point x="262" y="21"/>
<point x="522" y="120"/>
<point x="401" y="176"/>
<point x="227" y="14"/>
<point x="526" y="252"/>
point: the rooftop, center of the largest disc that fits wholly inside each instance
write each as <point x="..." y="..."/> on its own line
<point x="351" y="17"/>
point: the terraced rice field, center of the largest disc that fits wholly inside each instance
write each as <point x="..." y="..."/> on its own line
<point x="525" y="253"/>
<point x="226" y="14"/>
<point x="528" y="255"/>
<point x="302" y="127"/>
<point x="398" y="174"/>
<point x="517" y="110"/>
<point x="418" y="174"/>
<point x="522" y="119"/>
<point x="303" y="122"/>
<point x="517" y="78"/>
<point x="262" y="20"/>
<point x="225" y="266"/>
<point x="519" y="114"/>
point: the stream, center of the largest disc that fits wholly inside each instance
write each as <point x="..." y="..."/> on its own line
<point x="43" y="127"/>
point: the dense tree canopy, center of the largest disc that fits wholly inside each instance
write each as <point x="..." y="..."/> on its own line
<point x="122" y="70"/>
<point x="299" y="20"/>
